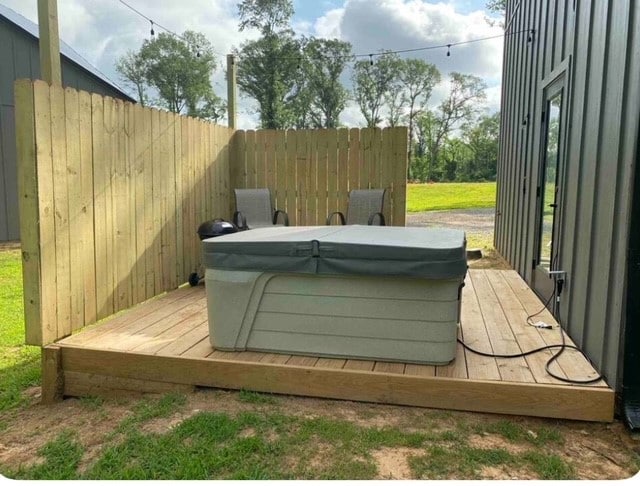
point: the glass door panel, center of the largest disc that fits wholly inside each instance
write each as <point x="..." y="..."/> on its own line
<point x="549" y="189"/>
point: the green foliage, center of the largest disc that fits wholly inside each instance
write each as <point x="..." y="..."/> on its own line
<point x="497" y="6"/>
<point x="436" y="156"/>
<point x="179" y="70"/>
<point x="268" y="70"/>
<point x="269" y="16"/>
<point x="442" y="196"/>
<point x="372" y="83"/>
<point x="324" y="62"/>
<point x="268" y="73"/>
<point x="132" y="70"/>
<point x="19" y="364"/>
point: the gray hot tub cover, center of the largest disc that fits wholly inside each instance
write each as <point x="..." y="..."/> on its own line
<point x="347" y="250"/>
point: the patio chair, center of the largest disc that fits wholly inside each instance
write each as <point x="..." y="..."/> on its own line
<point x="365" y="207"/>
<point x="254" y="210"/>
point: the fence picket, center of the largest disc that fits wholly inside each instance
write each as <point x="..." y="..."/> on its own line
<point x="116" y="192"/>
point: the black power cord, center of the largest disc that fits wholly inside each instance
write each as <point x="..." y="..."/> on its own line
<point x="562" y="347"/>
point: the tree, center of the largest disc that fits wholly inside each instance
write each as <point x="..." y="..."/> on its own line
<point x="268" y="16"/>
<point x="268" y="73"/>
<point x="179" y="69"/>
<point x="435" y="126"/>
<point x="132" y="70"/>
<point x="176" y="69"/>
<point x="418" y="78"/>
<point x="482" y="138"/>
<point x="324" y="62"/>
<point x="268" y="67"/>
<point x="371" y="84"/>
<point x="497" y="6"/>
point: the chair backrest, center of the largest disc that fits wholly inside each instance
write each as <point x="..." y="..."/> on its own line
<point x="255" y="206"/>
<point x="363" y="203"/>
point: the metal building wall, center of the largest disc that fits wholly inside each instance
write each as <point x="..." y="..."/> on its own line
<point x="598" y="41"/>
<point x="19" y="58"/>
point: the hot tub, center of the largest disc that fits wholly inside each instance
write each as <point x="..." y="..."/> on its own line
<point x="362" y="292"/>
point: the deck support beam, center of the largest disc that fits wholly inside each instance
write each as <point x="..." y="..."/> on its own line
<point x="541" y="400"/>
<point x="52" y="374"/>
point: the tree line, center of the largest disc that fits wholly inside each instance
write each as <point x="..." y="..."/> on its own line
<point x="296" y="82"/>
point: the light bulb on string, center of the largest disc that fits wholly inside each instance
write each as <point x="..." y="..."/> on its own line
<point x="370" y="59"/>
<point x="152" y="31"/>
<point x="448" y="50"/>
<point x="531" y="34"/>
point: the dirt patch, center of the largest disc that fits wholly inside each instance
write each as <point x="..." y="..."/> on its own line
<point x="491" y="441"/>
<point x="393" y="463"/>
<point x="492" y="472"/>
<point x="477" y="220"/>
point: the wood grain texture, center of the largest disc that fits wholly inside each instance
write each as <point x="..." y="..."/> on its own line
<point x="113" y="193"/>
<point x="556" y="401"/>
<point x="52" y="375"/>
<point x="310" y="172"/>
<point x="175" y="326"/>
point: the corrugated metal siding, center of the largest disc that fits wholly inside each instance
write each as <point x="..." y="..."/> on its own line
<point x="19" y="58"/>
<point x="600" y="41"/>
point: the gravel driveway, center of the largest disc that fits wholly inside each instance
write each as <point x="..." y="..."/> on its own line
<point x="479" y="220"/>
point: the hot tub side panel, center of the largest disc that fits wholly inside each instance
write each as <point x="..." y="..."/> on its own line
<point x="378" y="318"/>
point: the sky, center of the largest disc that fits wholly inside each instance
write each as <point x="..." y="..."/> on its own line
<point x="103" y="30"/>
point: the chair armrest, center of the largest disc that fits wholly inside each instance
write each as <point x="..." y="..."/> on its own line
<point x="239" y="220"/>
<point x="285" y="216"/>
<point x="380" y="216"/>
<point x="341" y="216"/>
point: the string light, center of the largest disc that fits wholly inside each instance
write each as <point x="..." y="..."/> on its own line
<point x="168" y="31"/>
<point x="530" y="38"/>
<point x="426" y="48"/>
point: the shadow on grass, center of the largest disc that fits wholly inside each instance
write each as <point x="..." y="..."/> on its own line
<point x="19" y="370"/>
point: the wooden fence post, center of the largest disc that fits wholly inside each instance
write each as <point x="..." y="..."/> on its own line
<point x="231" y="91"/>
<point x="49" y="42"/>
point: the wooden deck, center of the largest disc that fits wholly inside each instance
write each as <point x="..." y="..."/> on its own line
<point x="164" y="344"/>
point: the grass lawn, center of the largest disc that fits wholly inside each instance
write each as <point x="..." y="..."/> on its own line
<point x="264" y="438"/>
<point x="19" y="364"/>
<point x="442" y="196"/>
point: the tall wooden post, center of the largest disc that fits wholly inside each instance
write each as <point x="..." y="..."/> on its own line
<point x="49" y="42"/>
<point x="231" y="91"/>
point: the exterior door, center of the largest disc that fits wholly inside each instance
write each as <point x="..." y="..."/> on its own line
<point x="549" y="191"/>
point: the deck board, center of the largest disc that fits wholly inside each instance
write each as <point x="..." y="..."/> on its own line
<point x="172" y="331"/>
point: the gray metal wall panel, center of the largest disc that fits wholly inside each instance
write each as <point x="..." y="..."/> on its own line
<point x="10" y="173"/>
<point x="603" y="112"/>
<point x="629" y="146"/>
<point x="4" y="229"/>
<point x="6" y="65"/>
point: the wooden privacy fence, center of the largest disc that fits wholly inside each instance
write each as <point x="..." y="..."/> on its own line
<point x="310" y="172"/>
<point x="111" y="196"/>
<point x="112" y="193"/>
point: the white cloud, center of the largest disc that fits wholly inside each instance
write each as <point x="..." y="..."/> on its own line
<point x="372" y="25"/>
<point x="102" y="30"/>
